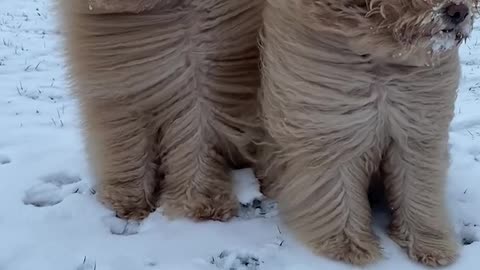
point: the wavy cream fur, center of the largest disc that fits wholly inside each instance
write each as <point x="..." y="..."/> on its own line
<point x="351" y="89"/>
<point x="168" y="96"/>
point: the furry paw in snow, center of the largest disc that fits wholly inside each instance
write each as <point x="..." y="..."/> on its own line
<point x="120" y="226"/>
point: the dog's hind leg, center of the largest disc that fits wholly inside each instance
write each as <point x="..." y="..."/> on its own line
<point x="414" y="180"/>
<point x="328" y="209"/>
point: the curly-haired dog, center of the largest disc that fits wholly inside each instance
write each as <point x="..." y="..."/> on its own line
<point x="168" y="96"/>
<point x="352" y="88"/>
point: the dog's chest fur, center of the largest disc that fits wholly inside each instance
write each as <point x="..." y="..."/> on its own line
<point x="395" y="99"/>
<point x="373" y="99"/>
<point x="329" y="94"/>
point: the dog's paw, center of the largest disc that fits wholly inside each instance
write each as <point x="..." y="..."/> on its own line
<point x="342" y="248"/>
<point x="130" y="213"/>
<point x="127" y="208"/>
<point x="222" y="207"/>
<point x="434" y="257"/>
<point x="433" y="251"/>
<point x="428" y="249"/>
<point x="127" y="202"/>
<point x="119" y="226"/>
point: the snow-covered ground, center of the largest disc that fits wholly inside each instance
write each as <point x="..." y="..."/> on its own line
<point x="50" y="220"/>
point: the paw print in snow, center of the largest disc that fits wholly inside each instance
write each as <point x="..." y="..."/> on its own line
<point x="265" y="208"/>
<point x="4" y="159"/>
<point x="44" y="194"/>
<point x="236" y="261"/>
<point x="53" y="189"/>
<point x="470" y="233"/>
<point x="61" y="179"/>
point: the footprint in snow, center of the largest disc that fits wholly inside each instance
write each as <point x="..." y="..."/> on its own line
<point x="53" y="189"/>
<point x="228" y="260"/>
<point x="258" y="208"/>
<point x="60" y="179"/>
<point x="4" y="159"/>
<point x="470" y="234"/>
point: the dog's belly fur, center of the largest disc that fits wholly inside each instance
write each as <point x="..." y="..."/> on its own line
<point x="169" y="101"/>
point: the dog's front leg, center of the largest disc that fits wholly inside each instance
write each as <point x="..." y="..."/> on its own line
<point x="415" y="173"/>
<point x="121" y="153"/>
<point x="197" y="183"/>
<point x="327" y="208"/>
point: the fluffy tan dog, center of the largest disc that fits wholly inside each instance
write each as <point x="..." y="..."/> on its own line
<point x="352" y="88"/>
<point x="168" y="95"/>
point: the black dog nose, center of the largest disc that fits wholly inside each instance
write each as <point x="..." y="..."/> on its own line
<point x="457" y="12"/>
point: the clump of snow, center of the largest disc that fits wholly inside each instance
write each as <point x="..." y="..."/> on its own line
<point x="246" y="186"/>
<point x="253" y="202"/>
<point x="443" y="42"/>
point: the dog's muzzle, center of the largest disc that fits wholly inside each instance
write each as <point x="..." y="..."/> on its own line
<point x="455" y="16"/>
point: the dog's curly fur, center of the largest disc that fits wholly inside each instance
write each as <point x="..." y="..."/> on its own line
<point x="352" y="88"/>
<point x="167" y="90"/>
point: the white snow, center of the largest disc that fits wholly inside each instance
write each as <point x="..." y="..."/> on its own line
<point x="246" y="186"/>
<point x="50" y="220"/>
<point x="443" y="42"/>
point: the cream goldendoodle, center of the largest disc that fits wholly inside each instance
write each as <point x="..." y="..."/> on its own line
<point x="352" y="88"/>
<point x="168" y="96"/>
